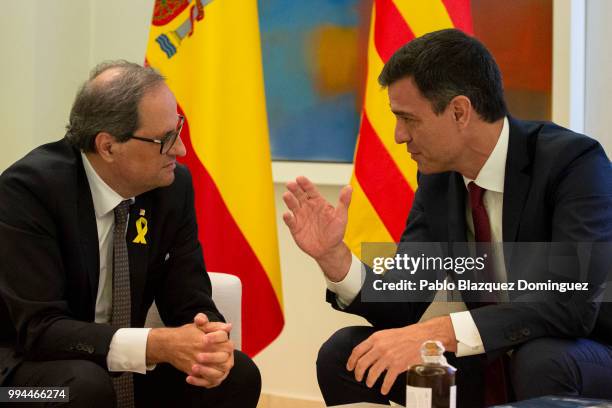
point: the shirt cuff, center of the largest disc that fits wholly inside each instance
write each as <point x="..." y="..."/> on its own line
<point x="466" y="332"/>
<point x="348" y="288"/>
<point x="128" y="351"/>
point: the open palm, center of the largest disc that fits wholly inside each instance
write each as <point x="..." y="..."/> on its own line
<point x="316" y="226"/>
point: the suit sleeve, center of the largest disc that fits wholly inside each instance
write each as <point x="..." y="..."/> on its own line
<point x="33" y="281"/>
<point x="185" y="288"/>
<point x="581" y="205"/>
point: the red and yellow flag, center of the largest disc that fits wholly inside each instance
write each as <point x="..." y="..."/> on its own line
<point x="209" y="51"/>
<point x="384" y="175"/>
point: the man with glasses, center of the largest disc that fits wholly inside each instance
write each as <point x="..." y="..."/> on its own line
<point x="167" y="141"/>
<point x="93" y="229"/>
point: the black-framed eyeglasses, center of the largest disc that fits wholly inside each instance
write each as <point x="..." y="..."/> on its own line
<point x="168" y="140"/>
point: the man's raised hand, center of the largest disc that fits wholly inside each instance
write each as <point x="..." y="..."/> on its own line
<point x="317" y="226"/>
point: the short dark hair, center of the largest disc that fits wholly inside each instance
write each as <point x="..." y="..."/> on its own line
<point x="110" y="107"/>
<point x="447" y="63"/>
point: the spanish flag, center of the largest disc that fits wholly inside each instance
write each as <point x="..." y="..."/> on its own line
<point x="384" y="175"/>
<point x="209" y="51"/>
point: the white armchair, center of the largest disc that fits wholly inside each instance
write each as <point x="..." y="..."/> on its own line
<point x="227" y="295"/>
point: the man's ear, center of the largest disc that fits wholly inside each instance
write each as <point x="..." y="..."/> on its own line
<point x="105" y="143"/>
<point x="461" y="108"/>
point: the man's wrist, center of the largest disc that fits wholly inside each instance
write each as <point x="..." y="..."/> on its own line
<point x="336" y="262"/>
<point x="441" y="329"/>
<point x="156" y="341"/>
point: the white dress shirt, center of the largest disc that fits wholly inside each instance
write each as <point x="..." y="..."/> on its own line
<point x="491" y="178"/>
<point x="128" y="346"/>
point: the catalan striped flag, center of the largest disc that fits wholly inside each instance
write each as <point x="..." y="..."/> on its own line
<point x="384" y="175"/>
<point x="209" y="51"/>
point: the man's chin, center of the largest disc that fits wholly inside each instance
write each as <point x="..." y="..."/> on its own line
<point x="166" y="180"/>
<point x="427" y="170"/>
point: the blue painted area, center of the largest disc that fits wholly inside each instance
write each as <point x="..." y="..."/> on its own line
<point x="324" y="132"/>
<point x="297" y="15"/>
<point x="304" y="125"/>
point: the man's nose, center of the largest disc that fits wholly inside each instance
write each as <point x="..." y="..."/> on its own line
<point x="401" y="135"/>
<point x="178" y="149"/>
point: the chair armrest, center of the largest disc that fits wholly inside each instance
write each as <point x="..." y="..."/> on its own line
<point x="227" y="295"/>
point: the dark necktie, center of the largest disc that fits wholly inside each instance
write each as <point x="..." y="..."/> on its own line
<point x="482" y="234"/>
<point x="124" y="386"/>
<point x="482" y="227"/>
<point x="495" y="378"/>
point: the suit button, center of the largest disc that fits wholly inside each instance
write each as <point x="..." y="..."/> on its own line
<point x="526" y="332"/>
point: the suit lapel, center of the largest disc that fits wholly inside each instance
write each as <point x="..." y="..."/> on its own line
<point x="457" y="228"/>
<point x="516" y="186"/>
<point x="88" y="233"/>
<point x="138" y="243"/>
<point x="517" y="180"/>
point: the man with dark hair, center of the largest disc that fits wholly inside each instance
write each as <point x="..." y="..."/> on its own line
<point x="486" y="177"/>
<point x="447" y="64"/>
<point x="93" y="229"/>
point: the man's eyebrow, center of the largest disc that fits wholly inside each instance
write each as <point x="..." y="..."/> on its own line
<point x="403" y="113"/>
<point x="168" y="133"/>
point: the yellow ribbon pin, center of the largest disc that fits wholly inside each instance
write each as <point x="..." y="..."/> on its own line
<point x="141" y="228"/>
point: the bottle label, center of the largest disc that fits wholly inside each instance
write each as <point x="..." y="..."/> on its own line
<point x="418" y="397"/>
<point x="421" y="397"/>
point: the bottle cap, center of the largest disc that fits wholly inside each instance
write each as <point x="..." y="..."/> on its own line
<point x="432" y="348"/>
<point x="432" y="351"/>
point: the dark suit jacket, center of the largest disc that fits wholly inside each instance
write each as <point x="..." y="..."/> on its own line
<point x="49" y="260"/>
<point x="558" y="188"/>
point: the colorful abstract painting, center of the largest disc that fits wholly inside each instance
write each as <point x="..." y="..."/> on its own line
<point x="313" y="76"/>
<point x="315" y="56"/>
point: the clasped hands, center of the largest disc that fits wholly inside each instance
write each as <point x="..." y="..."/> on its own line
<point x="201" y="349"/>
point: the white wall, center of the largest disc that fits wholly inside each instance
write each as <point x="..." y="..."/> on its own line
<point x="47" y="51"/>
<point x="44" y="54"/>
<point x="48" y="48"/>
<point x="16" y="79"/>
<point x="119" y="29"/>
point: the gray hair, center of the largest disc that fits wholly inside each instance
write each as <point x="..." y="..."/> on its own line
<point x="112" y="106"/>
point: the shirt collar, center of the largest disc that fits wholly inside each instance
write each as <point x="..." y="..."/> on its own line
<point x="105" y="199"/>
<point x="492" y="175"/>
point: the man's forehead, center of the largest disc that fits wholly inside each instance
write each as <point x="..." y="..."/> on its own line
<point x="401" y="102"/>
<point x="404" y="87"/>
<point x="158" y="94"/>
<point x="405" y="96"/>
<point x="158" y="108"/>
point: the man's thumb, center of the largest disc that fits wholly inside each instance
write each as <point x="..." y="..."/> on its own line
<point x="200" y="319"/>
